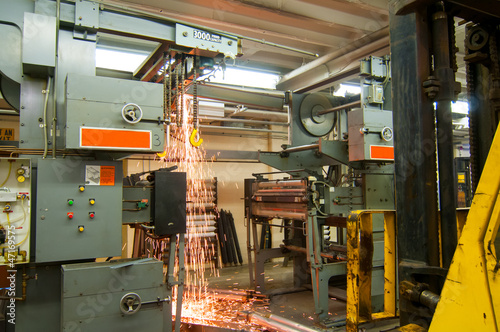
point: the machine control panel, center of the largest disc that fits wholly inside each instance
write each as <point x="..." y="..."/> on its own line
<point x="78" y="209"/>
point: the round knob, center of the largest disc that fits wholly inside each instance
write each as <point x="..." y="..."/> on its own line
<point x="21" y="178"/>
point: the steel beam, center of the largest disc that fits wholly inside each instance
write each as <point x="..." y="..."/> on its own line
<point x="414" y="144"/>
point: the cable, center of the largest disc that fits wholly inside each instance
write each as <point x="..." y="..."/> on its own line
<point x="45" y="106"/>
<point x="8" y="174"/>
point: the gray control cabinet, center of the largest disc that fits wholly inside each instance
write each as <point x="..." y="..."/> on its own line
<point x="92" y="294"/>
<point x="94" y="120"/>
<point x="78" y="210"/>
<point x="370" y="135"/>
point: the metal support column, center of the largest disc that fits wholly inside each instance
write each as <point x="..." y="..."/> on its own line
<point x="415" y="160"/>
<point x="446" y="78"/>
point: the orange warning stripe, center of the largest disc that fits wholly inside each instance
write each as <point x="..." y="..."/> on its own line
<point x="115" y="138"/>
<point x="381" y="152"/>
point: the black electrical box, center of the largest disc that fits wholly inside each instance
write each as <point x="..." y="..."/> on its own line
<point x="169" y="202"/>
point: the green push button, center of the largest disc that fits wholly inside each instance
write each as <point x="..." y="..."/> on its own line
<point x="70" y="202"/>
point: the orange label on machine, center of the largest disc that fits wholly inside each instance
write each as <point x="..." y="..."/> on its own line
<point x="381" y="152"/>
<point x="96" y="175"/>
<point x="107" y="175"/>
<point x="108" y="138"/>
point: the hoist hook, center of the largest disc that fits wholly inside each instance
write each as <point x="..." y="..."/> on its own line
<point x="192" y="138"/>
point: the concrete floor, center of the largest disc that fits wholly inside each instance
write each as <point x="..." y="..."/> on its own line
<point x="298" y="307"/>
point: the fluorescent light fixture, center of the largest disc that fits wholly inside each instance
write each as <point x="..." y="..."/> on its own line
<point x="244" y="77"/>
<point x="118" y="60"/>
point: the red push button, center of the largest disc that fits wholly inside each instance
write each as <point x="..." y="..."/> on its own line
<point x="91" y="215"/>
<point x="70" y="215"/>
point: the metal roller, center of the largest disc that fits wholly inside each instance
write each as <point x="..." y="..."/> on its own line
<point x="203" y="228"/>
<point x="282" y="183"/>
<point x="208" y="206"/>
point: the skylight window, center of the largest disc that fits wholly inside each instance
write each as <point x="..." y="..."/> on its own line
<point x="118" y="60"/>
<point x="244" y="77"/>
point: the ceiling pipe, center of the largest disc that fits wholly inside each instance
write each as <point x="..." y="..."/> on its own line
<point x="335" y="62"/>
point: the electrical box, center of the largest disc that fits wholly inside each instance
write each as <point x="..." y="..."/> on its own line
<point x="39" y="44"/>
<point x="370" y="135"/>
<point x="105" y="113"/>
<point x="78" y="210"/>
<point x="15" y="201"/>
<point x="122" y="295"/>
<point x="170" y="202"/>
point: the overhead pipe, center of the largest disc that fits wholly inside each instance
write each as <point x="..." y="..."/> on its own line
<point x="325" y="66"/>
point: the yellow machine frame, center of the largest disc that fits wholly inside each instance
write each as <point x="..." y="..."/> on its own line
<point x="359" y="267"/>
<point x="470" y="299"/>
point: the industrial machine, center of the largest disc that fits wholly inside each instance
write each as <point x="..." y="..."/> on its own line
<point x="63" y="194"/>
<point x="447" y="281"/>
<point x="353" y="140"/>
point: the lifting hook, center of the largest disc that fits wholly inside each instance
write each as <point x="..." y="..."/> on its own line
<point x="192" y="139"/>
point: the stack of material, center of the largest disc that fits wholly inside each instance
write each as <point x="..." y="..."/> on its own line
<point x="201" y="220"/>
<point x="228" y="239"/>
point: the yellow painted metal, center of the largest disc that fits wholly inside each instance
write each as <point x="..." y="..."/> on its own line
<point x="493" y="261"/>
<point x="359" y="267"/>
<point x="470" y="296"/>
<point x="461" y="219"/>
<point x="412" y="328"/>
<point x="390" y="264"/>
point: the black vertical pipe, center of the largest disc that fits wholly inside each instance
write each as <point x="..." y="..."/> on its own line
<point x="231" y="255"/>
<point x="220" y="234"/>
<point x="446" y="77"/>
<point x="235" y="238"/>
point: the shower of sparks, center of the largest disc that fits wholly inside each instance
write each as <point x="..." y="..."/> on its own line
<point x="200" y="247"/>
<point x="199" y="305"/>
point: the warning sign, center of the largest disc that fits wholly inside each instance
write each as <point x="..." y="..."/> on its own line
<point x="6" y="134"/>
<point x="107" y="175"/>
<point x="99" y="175"/>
